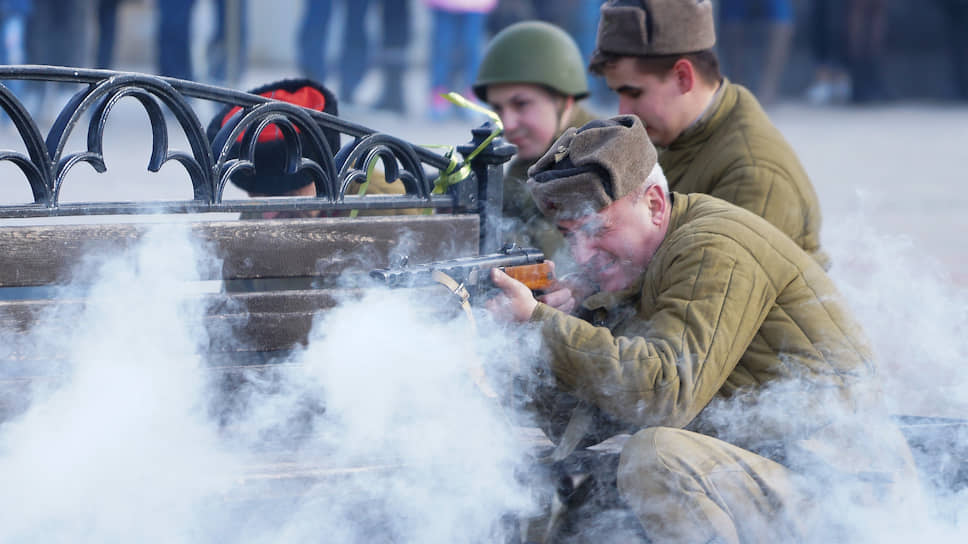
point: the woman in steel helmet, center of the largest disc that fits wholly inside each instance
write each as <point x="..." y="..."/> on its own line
<point x="532" y="76"/>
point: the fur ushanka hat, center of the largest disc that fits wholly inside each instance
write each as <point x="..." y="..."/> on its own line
<point x="646" y="28"/>
<point x="588" y="168"/>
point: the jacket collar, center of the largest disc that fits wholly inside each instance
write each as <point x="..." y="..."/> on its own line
<point x="709" y="120"/>
<point x="679" y="203"/>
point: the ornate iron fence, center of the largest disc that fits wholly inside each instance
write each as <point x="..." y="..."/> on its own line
<point x="210" y="164"/>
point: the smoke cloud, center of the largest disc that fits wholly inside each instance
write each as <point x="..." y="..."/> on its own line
<point x="376" y="431"/>
<point x="915" y="318"/>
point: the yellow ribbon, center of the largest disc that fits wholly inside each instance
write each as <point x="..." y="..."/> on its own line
<point x="457" y="172"/>
<point x="454" y="174"/>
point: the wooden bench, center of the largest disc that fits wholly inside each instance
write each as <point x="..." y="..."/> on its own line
<point x="264" y="281"/>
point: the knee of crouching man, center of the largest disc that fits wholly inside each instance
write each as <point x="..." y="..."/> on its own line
<point x="640" y="466"/>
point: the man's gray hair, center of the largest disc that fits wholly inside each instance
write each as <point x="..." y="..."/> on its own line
<point x="656" y="177"/>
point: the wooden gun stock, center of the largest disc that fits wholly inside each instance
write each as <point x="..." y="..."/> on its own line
<point x="537" y="277"/>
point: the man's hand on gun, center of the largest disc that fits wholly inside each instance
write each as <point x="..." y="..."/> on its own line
<point x="516" y="301"/>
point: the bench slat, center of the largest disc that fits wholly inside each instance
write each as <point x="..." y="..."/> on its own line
<point x="237" y="324"/>
<point x="35" y="255"/>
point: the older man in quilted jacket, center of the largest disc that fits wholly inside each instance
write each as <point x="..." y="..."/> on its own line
<point x="720" y="345"/>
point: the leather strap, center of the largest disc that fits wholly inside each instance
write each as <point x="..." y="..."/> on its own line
<point x="463" y="296"/>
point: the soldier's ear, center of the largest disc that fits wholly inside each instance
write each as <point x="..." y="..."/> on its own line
<point x="685" y="75"/>
<point x="658" y="203"/>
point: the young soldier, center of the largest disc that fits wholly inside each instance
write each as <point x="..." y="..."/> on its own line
<point x="713" y="136"/>
<point x="721" y="346"/>
<point x="532" y="76"/>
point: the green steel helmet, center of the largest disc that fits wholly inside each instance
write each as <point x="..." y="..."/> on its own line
<point x="533" y="52"/>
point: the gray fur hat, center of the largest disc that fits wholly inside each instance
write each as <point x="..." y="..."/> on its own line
<point x="588" y="168"/>
<point x="646" y="28"/>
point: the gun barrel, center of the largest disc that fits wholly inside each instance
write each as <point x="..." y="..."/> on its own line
<point x="465" y="270"/>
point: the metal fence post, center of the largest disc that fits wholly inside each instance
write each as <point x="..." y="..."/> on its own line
<point x="488" y="168"/>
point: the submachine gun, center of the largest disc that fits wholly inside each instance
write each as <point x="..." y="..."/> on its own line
<point x="470" y="277"/>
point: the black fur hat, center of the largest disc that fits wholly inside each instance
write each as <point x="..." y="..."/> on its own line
<point x="270" y="155"/>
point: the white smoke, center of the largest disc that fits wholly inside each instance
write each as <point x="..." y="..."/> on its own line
<point x="914" y="314"/>
<point x="916" y="318"/>
<point x="374" y="432"/>
<point x="426" y="455"/>
<point x="119" y="448"/>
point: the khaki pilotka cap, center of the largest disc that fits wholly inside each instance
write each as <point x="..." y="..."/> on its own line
<point x="644" y="28"/>
<point x="588" y="168"/>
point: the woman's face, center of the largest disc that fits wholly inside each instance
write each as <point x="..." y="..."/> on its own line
<point x="531" y="116"/>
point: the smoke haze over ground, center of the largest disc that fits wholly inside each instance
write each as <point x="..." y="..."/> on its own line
<point x="125" y="448"/>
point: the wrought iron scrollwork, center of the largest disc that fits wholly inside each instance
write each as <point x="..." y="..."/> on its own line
<point x="356" y="158"/>
<point x="148" y="90"/>
<point x="36" y="164"/>
<point x="289" y="119"/>
<point x="210" y="164"/>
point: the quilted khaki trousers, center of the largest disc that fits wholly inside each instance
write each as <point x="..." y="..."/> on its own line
<point x="689" y="487"/>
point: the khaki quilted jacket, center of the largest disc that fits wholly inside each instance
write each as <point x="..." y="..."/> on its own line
<point x="735" y="153"/>
<point x="727" y="306"/>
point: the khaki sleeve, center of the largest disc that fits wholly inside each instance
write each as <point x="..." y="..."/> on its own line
<point x="709" y="306"/>
<point x="770" y="194"/>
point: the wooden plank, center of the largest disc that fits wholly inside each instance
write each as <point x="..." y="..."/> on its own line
<point x="235" y="323"/>
<point x="278" y="248"/>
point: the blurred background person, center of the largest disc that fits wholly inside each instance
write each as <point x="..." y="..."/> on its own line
<point x="866" y="30"/>
<point x="56" y="32"/>
<point x="397" y="27"/>
<point x="585" y="30"/>
<point x="226" y="51"/>
<point x="755" y="40"/>
<point x="456" y="39"/>
<point x="14" y="15"/>
<point x="107" y="31"/>
<point x="174" y="38"/>
<point x="353" y="51"/>
<point x="831" y="82"/>
<point x="956" y="17"/>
